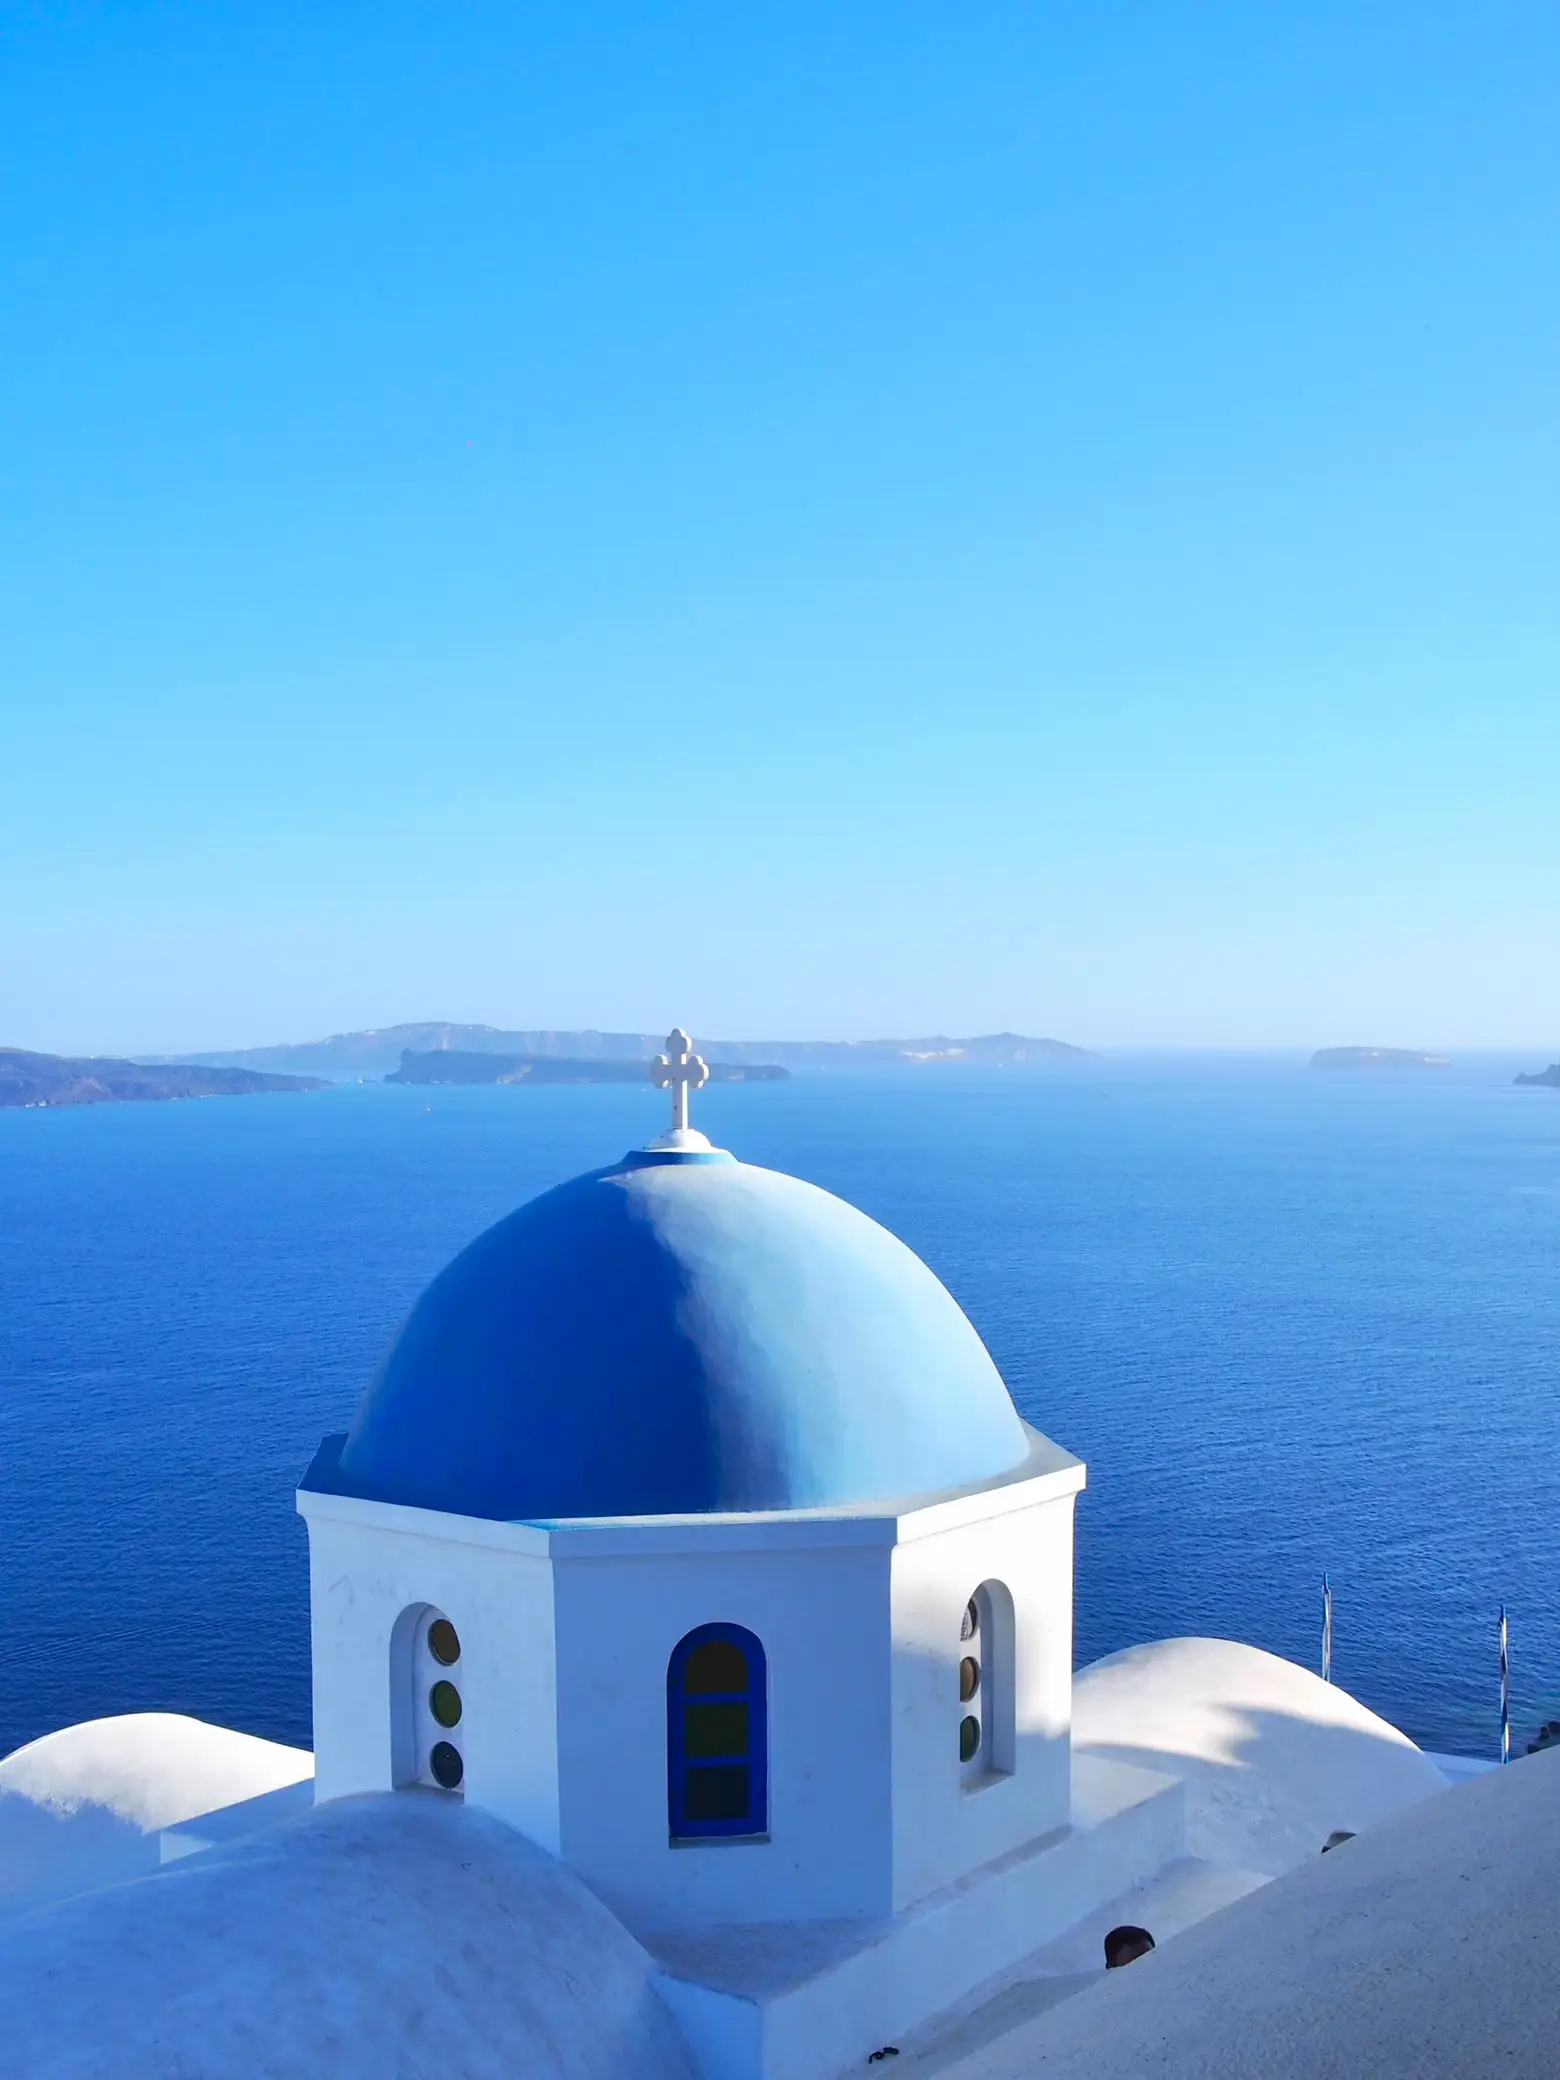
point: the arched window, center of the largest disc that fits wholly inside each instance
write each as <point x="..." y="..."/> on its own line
<point x="717" y="1735"/>
<point x="426" y="1703"/>
<point x="986" y="1700"/>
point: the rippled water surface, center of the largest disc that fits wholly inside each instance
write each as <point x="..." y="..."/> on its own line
<point x="1292" y="1321"/>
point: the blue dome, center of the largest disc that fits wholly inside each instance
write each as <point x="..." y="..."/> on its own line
<point x="676" y="1335"/>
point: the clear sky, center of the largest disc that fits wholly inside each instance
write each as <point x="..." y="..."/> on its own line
<point x="803" y="519"/>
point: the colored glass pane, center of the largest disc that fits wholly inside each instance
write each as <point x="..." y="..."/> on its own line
<point x="716" y="1665"/>
<point x="444" y="1642"/>
<point x="969" y="1739"/>
<point x="444" y="1703"/>
<point x="717" y="1793"/>
<point x="969" y="1678"/>
<point x="446" y="1765"/>
<point x="715" y="1729"/>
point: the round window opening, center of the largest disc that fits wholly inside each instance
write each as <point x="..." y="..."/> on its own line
<point x="971" y="1622"/>
<point x="969" y="1681"/>
<point x="444" y="1703"/>
<point x="444" y="1645"/>
<point x="446" y="1765"/>
<point x="969" y="1739"/>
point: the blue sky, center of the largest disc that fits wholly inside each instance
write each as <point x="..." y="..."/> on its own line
<point x="798" y="519"/>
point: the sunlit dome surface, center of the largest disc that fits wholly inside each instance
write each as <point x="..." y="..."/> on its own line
<point x="680" y="1334"/>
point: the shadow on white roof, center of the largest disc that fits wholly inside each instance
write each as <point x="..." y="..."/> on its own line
<point x="1274" y="1759"/>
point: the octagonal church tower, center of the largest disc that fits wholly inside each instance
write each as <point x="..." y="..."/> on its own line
<point x="689" y="1528"/>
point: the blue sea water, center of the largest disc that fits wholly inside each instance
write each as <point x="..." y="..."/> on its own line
<point x="1292" y="1321"/>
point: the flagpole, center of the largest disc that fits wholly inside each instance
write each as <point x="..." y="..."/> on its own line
<point x="1326" y="1630"/>
<point x="1505" y="1689"/>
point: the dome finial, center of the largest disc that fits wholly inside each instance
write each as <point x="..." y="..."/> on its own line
<point x="680" y="1071"/>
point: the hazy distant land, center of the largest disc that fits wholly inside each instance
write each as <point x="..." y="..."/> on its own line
<point x="1549" y="1076"/>
<point x="1376" y="1058"/>
<point x="377" y="1053"/>
<point x="451" y="1065"/>
<point x="56" y="1079"/>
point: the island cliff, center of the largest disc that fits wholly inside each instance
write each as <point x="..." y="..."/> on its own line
<point x="55" y="1079"/>
<point x="1376" y="1058"/>
<point x="1549" y="1077"/>
<point x="451" y="1065"/>
<point x="352" y="1057"/>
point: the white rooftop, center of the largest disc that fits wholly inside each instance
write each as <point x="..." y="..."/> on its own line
<point x="1273" y="1758"/>
<point x="85" y="1806"/>
<point x="1423" y="1950"/>
<point x="1203" y="1769"/>
<point x="373" y="1938"/>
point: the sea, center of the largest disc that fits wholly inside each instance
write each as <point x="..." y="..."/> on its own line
<point x="1296" y="1323"/>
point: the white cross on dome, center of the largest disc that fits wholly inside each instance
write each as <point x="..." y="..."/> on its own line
<point x="680" y="1071"/>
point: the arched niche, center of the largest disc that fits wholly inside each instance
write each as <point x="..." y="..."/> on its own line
<point x="427" y="1703"/>
<point x="987" y="1703"/>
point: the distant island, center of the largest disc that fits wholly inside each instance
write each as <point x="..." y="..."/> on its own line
<point x="1376" y="1058"/>
<point x="377" y="1052"/>
<point x="449" y="1065"/>
<point x="1549" y="1077"/>
<point x="56" y="1079"/>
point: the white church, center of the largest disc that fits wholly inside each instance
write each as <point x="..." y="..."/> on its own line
<point x="694" y="1700"/>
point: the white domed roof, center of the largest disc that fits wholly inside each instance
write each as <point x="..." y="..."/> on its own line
<point x="375" y="1937"/>
<point x="1273" y="1758"/>
<point x="84" y="1806"/>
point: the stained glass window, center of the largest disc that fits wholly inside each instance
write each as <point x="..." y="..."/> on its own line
<point x="717" y="1735"/>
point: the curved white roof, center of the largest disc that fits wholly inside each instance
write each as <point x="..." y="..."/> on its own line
<point x="84" y="1806"/>
<point x="1274" y="1759"/>
<point x="403" y="1934"/>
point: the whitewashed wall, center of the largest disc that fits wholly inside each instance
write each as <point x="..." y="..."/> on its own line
<point x="949" y="1820"/>
<point x="363" y="1575"/>
<point x="822" y="1616"/>
<point x="566" y="1634"/>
